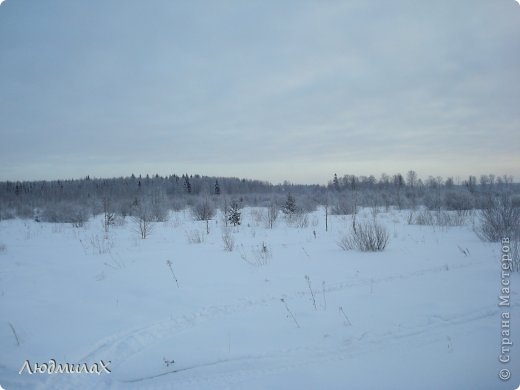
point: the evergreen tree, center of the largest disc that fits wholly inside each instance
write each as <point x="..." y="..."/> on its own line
<point x="234" y="213"/>
<point x="187" y="184"/>
<point x="289" y="206"/>
<point x="217" y="188"/>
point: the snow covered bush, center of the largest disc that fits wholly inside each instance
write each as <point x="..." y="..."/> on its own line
<point x="366" y="237"/>
<point x="261" y="255"/>
<point x="459" y="201"/>
<point x="445" y="218"/>
<point x="500" y="219"/>
<point x="65" y="212"/>
<point x="437" y="218"/>
<point x="271" y="215"/>
<point x="342" y="206"/>
<point x="257" y="216"/>
<point x="101" y="244"/>
<point x="195" y="236"/>
<point x="424" y="217"/>
<point x="301" y="220"/>
<point x="228" y="240"/>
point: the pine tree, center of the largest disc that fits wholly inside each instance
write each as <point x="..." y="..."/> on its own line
<point x="217" y="188"/>
<point x="234" y="213"/>
<point x="289" y="206"/>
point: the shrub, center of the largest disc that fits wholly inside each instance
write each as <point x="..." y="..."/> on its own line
<point x="445" y="218"/>
<point x="101" y="244"/>
<point x="366" y="237"/>
<point x="501" y="219"/>
<point x="301" y="220"/>
<point x="425" y="217"/>
<point x="343" y="206"/>
<point x="515" y="254"/>
<point x="271" y="215"/>
<point x="195" y="236"/>
<point x="261" y="253"/>
<point x="228" y="240"/>
<point x="432" y="201"/>
<point x="437" y="218"/>
<point x="455" y="200"/>
<point x="66" y="213"/>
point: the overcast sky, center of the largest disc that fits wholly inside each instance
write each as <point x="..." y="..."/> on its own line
<point x="272" y="90"/>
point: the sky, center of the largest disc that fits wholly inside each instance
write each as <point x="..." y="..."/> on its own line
<point x="270" y="90"/>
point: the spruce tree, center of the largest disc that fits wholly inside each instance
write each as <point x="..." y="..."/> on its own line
<point x="289" y="206"/>
<point x="234" y="213"/>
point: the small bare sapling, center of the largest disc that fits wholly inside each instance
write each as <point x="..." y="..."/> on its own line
<point x="170" y="265"/>
<point x="347" y="321"/>
<point x="15" y="334"/>
<point x="312" y="292"/>
<point x="289" y="312"/>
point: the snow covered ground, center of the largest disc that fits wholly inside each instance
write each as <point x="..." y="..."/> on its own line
<point x="423" y="314"/>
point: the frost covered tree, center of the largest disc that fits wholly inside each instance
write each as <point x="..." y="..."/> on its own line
<point x="272" y="214"/>
<point x="143" y="220"/>
<point x="108" y="214"/>
<point x="204" y="211"/>
<point x="411" y="179"/>
<point x="289" y="207"/>
<point x="234" y="213"/>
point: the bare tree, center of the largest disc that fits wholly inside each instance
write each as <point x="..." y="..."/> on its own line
<point x="204" y="211"/>
<point x="272" y="214"/>
<point x="327" y="213"/>
<point x="411" y="179"/>
<point x="143" y="220"/>
<point x="108" y="215"/>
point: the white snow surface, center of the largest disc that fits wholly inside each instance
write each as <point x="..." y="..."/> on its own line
<point x="420" y="315"/>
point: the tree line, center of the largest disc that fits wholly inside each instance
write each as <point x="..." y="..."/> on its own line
<point x="76" y="200"/>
